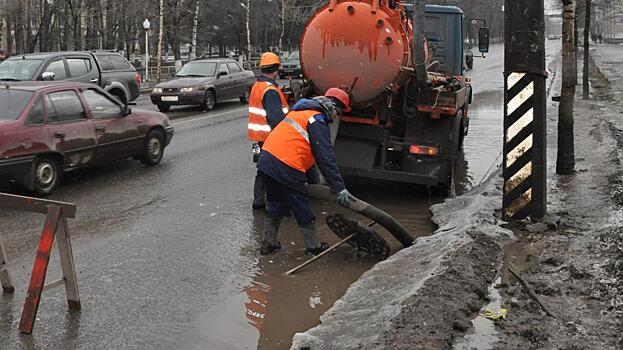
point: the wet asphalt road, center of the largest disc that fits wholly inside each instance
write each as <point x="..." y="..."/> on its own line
<point x="167" y="256"/>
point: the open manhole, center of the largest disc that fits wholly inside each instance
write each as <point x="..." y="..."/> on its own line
<point x="366" y="239"/>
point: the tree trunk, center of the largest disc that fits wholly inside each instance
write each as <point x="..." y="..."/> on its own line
<point x="9" y="37"/>
<point x="159" y="48"/>
<point x="586" y="70"/>
<point x="283" y="24"/>
<point x="565" y="162"/>
<point x="19" y="29"/>
<point x="193" y="44"/>
<point x="575" y="41"/>
<point x="248" y="24"/>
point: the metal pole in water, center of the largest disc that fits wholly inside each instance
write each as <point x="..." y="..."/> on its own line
<point x="524" y="110"/>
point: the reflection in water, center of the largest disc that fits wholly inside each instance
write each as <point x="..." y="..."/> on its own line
<point x="483" y="145"/>
<point x="256" y="306"/>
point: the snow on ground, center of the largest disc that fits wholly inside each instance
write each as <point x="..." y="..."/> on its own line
<point x="425" y="295"/>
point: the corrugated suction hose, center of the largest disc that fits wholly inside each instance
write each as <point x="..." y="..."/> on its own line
<point x="371" y="212"/>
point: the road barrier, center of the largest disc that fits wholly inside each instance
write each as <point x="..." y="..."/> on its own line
<point x="55" y="223"/>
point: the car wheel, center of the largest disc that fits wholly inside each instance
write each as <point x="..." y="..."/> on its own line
<point x="153" y="148"/>
<point x="119" y="96"/>
<point x="46" y="175"/>
<point x="164" y="108"/>
<point x="245" y="97"/>
<point x="209" y="101"/>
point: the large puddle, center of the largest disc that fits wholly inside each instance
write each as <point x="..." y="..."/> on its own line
<point x="273" y="307"/>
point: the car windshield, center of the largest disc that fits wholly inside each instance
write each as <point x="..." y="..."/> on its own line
<point x="294" y="56"/>
<point x="197" y="69"/>
<point x="19" y="69"/>
<point x="12" y="103"/>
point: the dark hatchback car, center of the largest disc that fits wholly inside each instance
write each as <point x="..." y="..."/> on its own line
<point x="107" y="69"/>
<point x="49" y="128"/>
<point x="291" y="66"/>
<point x="204" y="82"/>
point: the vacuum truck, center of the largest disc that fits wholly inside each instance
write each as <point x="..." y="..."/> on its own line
<point x="403" y="65"/>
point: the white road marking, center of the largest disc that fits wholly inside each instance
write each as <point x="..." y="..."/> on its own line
<point x="209" y="116"/>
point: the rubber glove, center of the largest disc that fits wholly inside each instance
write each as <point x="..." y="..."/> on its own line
<point x="344" y="197"/>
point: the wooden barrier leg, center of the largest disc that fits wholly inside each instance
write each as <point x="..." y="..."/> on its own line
<point x="39" y="270"/>
<point x="67" y="263"/>
<point x="5" y="276"/>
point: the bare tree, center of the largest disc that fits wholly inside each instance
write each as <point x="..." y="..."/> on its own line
<point x="565" y="162"/>
<point x="586" y="69"/>
<point x="248" y="24"/>
<point x="160" y="35"/>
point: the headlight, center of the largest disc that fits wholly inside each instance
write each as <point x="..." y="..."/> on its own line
<point x="187" y="89"/>
<point x="157" y="90"/>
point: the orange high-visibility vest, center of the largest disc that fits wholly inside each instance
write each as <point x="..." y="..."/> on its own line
<point x="289" y="142"/>
<point x="258" y="124"/>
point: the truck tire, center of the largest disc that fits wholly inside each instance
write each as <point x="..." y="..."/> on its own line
<point x="445" y="186"/>
<point x="46" y="175"/>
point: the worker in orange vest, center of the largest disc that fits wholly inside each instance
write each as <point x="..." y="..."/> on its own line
<point x="301" y="140"/>
<point x="267" y="107"/>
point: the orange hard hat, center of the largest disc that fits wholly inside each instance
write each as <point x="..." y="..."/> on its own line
<point x="341" y="96"/>
<point x="269" y="59"/>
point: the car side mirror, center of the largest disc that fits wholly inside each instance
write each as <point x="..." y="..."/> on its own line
<point x="220" y="74"/>
<point x="47" y="76"/>
<point x="483" y="40"/>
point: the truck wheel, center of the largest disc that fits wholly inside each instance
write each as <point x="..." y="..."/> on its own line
<point x="461" y="136"/>
<point x="46" y="175"/>
<point x="164" y="108"/>
<point x="209" y="101"/>
<point x="153" y="148"/>
<point x="445" y="187"/>
<point x="469" y="61"/>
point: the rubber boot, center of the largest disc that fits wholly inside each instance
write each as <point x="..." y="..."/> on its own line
<point x="269" y="241"/>
<point x="259" y="193"/>
<point x="312" y="245"/>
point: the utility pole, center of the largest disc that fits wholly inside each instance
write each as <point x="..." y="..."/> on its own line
<point x="524" y="110"/>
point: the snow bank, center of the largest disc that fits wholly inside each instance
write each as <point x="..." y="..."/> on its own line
<point x="359" y="319"/>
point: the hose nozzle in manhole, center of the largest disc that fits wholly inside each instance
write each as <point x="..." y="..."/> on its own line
<point x="363" y="238"/>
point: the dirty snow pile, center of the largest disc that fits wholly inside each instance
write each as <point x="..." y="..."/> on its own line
<point x="365" y="316"/>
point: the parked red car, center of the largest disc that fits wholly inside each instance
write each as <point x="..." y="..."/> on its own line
<point x="48" y="128"/>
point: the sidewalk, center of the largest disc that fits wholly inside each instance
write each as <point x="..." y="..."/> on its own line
<point x="576" y="269"/>
<point x="425" y="296"/>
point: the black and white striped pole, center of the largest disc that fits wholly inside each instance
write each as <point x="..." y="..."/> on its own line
<point x="524" y="110"/>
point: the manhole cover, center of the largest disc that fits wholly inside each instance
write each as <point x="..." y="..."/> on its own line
<point x="366" y="239"/>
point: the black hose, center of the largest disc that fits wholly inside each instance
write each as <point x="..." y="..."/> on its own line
<point x="371" y="212"/>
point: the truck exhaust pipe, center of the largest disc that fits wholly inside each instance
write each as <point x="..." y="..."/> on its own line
<point x="418" y="52"/>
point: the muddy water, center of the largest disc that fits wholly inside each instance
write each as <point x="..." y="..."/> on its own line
<point x="483" y="144"/>
<point x="267" y="312"/>
<point x="272" y="307"/>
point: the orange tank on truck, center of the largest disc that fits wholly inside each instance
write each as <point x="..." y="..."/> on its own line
<point x="403" y="64"/>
